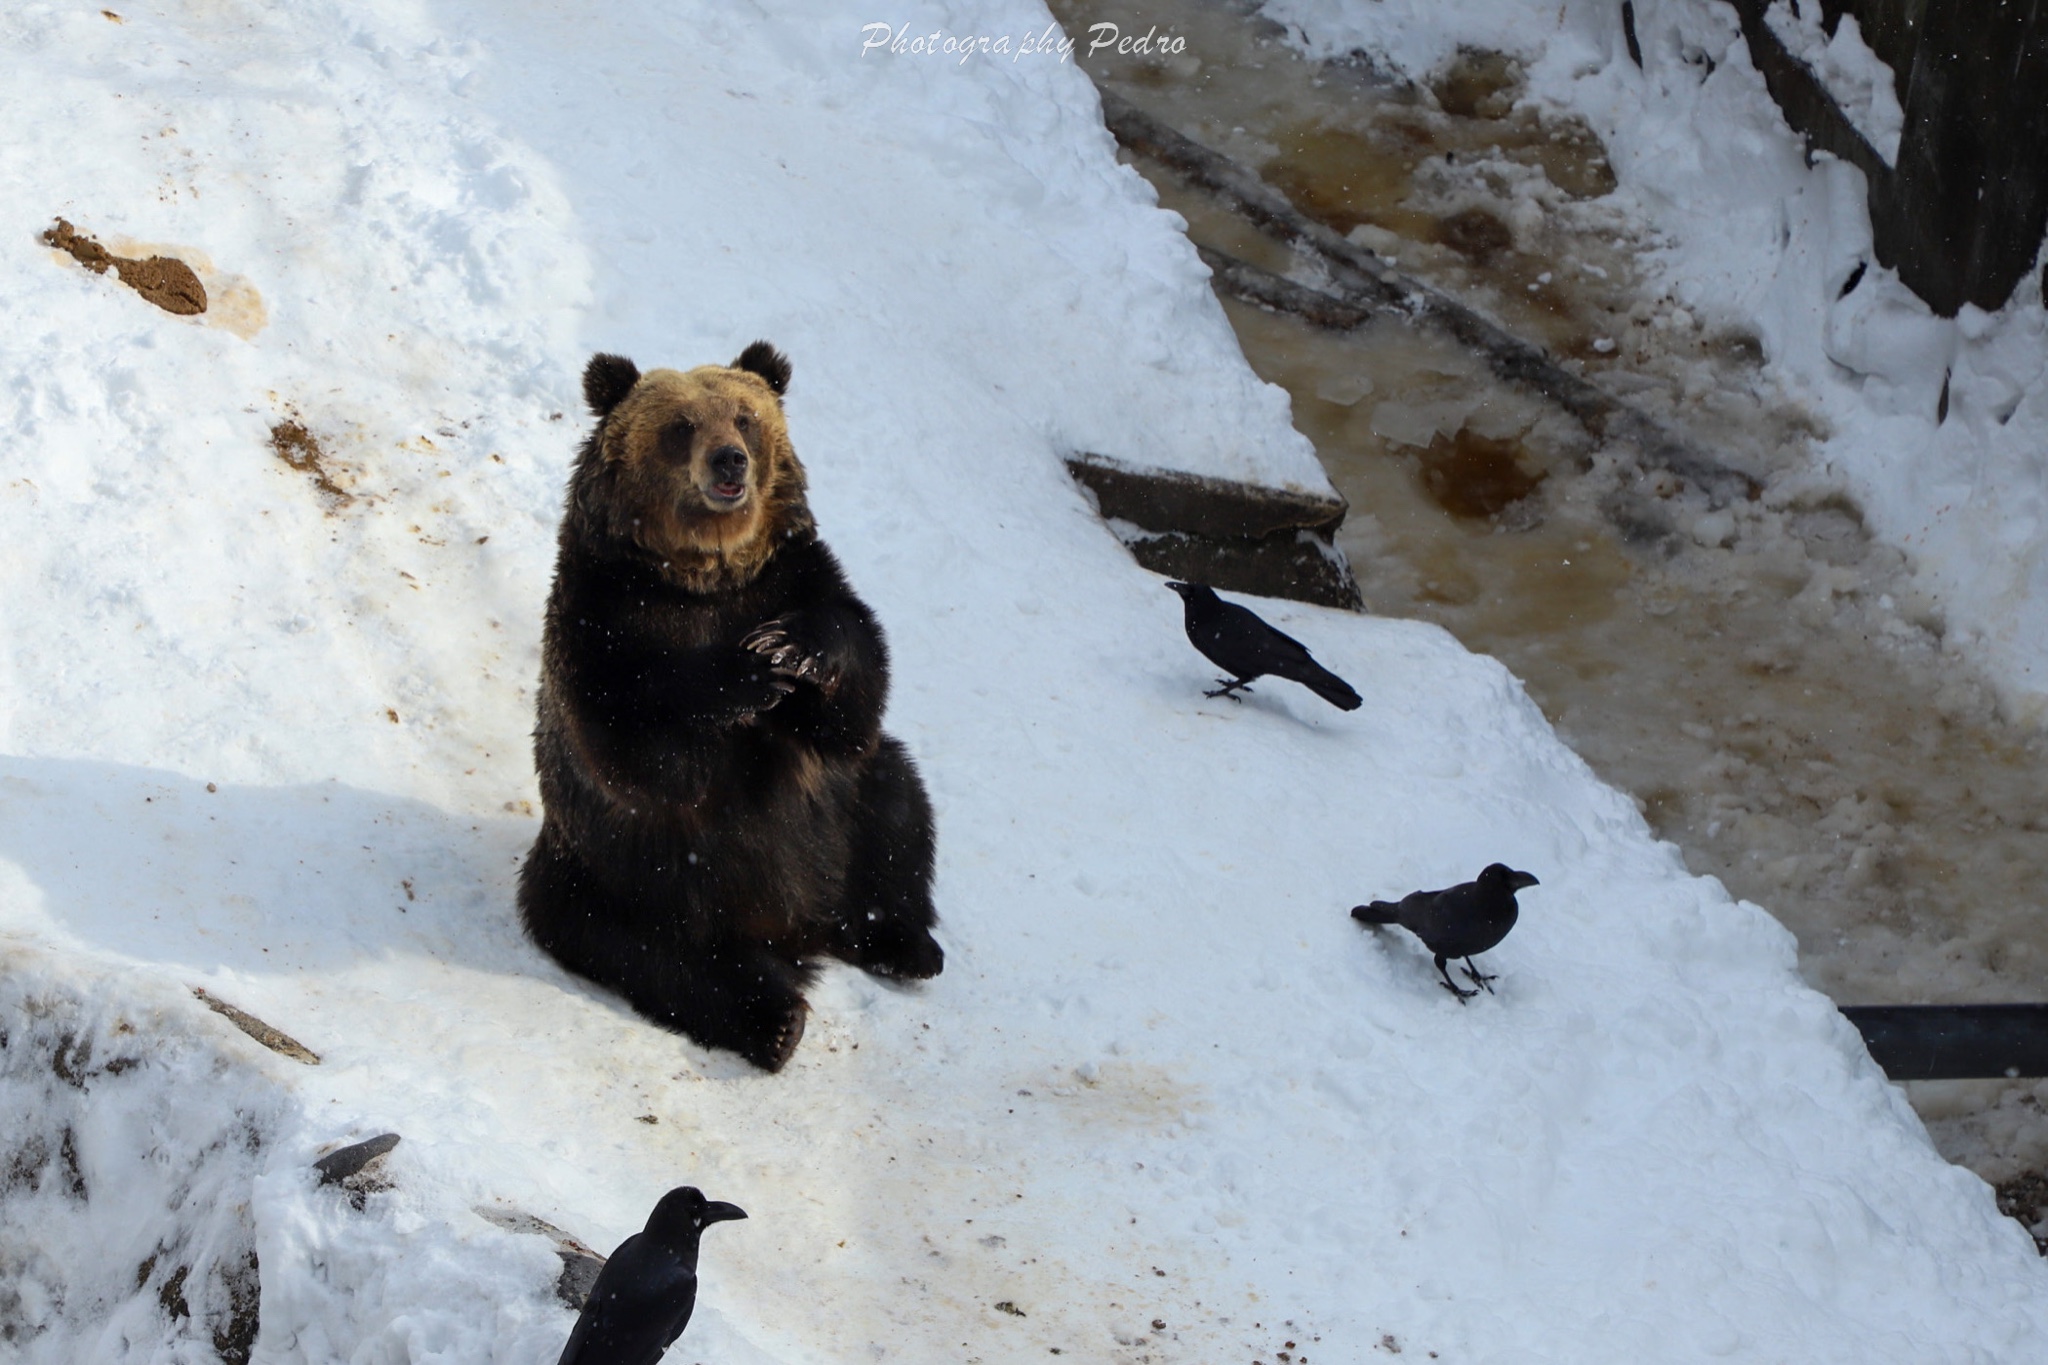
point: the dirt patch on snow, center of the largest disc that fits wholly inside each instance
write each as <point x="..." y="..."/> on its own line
<point x="165" y="281"/>
<point x="2025" y="1199"/>
<point x="297" y="447"/>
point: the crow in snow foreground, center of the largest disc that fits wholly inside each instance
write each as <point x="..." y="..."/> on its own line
<point x="1458" y="921"/>
<point x="643" y="1296"/>
<point x="1245" y="648"/>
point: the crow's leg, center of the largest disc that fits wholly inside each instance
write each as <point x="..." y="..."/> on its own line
<point x="1478" y="977"/>
<point x="1453" y="987"/>
<point x="1231" y="687"/>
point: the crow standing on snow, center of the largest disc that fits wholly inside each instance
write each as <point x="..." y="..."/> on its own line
<point x="1458" y="921"/>
<point x="1246" y="648"/>
<point x="643" y="1296"/>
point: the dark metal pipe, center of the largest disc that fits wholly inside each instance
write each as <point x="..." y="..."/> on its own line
<point x="1954" y="1042"/>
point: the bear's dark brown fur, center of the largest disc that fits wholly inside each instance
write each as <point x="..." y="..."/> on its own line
<point x="721" y="805"/>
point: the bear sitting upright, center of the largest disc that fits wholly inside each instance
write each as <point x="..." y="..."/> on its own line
<point x="720" y="804"/>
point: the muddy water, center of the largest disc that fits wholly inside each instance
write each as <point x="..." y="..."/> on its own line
<point x="1763" y="678"/>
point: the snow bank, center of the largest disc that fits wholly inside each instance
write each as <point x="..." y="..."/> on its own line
<point x="130" y="1146"/>
<point x="1749" y="235"/>
<point x="158" y="1165"/>
<point x="266" y="734"/>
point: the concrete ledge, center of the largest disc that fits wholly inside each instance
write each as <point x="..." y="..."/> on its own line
<point x="1241" y="537"/>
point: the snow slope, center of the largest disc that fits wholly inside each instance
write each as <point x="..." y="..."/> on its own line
<point x="271" y="741"/>
<point x="1749" y="235"/>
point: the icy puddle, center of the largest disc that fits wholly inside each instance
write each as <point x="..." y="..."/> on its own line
<point x="1761" y="677"/>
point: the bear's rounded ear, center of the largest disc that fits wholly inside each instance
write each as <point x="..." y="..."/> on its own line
<point x="607" y="379"/>
<point x="771" y="364"/>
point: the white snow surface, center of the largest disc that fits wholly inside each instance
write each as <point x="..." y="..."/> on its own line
<point x="267" y="743"/>
<point x="1744" y="233"/>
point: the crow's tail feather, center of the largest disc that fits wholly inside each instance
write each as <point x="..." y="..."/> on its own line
<point x="1330" y="688"/>
<point x="1379" y="912"/>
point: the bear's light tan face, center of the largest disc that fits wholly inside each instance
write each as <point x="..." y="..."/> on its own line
<point x="701" y="464"/>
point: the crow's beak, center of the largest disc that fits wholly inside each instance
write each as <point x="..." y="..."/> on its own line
<point x="722" y="1213"/>
<point x="1520" y="880"/>
<point x="1176" y="585"/>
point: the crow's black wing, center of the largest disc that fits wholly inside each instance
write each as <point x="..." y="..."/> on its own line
<point x="1258" y="633"/>
<point x="1432" y="916"/>
<point x="1460" y="920"/>
<point x="680" y="1305"/>
<point x="1241" y="644"/>
<point x="638" y="1307"/>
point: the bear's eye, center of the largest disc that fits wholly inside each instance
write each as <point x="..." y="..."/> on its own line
<point x="674" y="441"/>
<point x="745" y="421"/>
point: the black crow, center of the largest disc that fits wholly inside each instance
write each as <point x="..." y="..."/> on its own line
<point x="1457" y="921"/>
<point x="643" y="1296"/>
<point x="1245" y="647"/>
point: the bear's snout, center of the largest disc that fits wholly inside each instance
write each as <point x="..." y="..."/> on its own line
<point x="728" y="467"/>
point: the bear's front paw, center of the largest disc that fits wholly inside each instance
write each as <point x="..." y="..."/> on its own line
<point x="752" y="689"/>
<point x="770" y="640"/>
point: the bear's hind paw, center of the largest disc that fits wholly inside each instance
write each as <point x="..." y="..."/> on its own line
<point x="907" y="956"/>
<point x="772" y="1050"/>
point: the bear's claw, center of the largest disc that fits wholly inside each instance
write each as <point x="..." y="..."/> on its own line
<point x="772" y="1052"/>
<point x="771" y="641"/>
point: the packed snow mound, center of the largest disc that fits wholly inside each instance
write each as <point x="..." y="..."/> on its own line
<point x="131" y="1146"/>
<point x="271" y="628"/>
<point x="159" y="1167"/>
<point x="1938" y="426"/>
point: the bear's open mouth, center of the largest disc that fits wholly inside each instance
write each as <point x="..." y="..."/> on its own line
<point x="727" y="493"/>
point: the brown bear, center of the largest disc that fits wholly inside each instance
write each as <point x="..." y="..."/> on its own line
<point x="721" y="807"/>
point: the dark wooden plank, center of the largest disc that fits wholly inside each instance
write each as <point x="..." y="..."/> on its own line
<point x="1276" y="293"/>
<point x="1954" y="1042"/>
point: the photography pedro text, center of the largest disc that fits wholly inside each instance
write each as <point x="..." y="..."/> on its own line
<point x="1102" y="37"/>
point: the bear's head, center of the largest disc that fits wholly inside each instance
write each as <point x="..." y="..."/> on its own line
<point x="692" y="469"/>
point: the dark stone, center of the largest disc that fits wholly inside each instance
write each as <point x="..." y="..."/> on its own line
<point x="579" y="1276"/>
<point x="344" y="1162"/>
<point x="580" y="1264"/>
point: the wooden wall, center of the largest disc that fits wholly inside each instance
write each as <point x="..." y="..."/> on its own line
<point x="1961" y="216"/>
